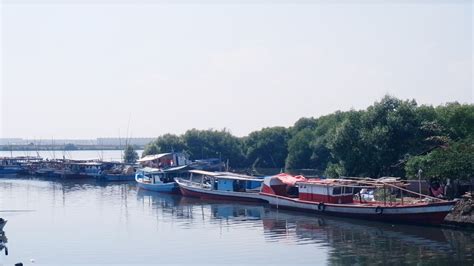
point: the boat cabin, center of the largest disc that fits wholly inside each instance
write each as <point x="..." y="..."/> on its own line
<point x="325" y="191"/>
<point x="316" y="190"/>
<point x="233" y="183"/>
<point x="153" y="176"/>
<point x="226" y="181"/>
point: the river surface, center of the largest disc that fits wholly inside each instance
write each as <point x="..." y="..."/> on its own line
<point x="106" y="155"/>
<point x="85" y="222"/>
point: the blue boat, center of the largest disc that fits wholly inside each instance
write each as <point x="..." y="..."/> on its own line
<point x="155" y="179"/>
<point x="16" y="165"/>
<point x="9" y="170"/>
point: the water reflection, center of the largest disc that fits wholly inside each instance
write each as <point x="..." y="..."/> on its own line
<point x="120" y="219"/>
<point x="350" y="241"/>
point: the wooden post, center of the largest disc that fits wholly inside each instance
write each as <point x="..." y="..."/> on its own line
<point x="419" y="181"/>
<point x="384" y="196"/>
<point x="401" y="195"/>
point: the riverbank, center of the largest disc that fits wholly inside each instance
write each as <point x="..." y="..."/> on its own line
<point x="462" y="214"/>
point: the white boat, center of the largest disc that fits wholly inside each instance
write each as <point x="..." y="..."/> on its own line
<point x="221" y="186"/>
<point x="155" y="179"/>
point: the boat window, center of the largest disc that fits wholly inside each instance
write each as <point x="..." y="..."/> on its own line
<point x="336" y="191"/>
<point x="348" y="190"/>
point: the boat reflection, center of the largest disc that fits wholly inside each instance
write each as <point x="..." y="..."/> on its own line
<point x="350" y="241"/>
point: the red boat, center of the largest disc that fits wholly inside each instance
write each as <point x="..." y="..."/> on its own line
<point x="344" y="197"/>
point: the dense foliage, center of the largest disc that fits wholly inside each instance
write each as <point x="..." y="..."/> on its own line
<point x="392" y="137"/>
<point x="129" y="154"/>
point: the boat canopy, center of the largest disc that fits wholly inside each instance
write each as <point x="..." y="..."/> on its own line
<point x="283" y="179"/>
<point x="176" y="169"/>
<point x="355" y="182"/>
<point x="149" y="158"/>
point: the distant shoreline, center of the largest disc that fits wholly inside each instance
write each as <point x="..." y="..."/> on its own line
<point x="64" y="148"/>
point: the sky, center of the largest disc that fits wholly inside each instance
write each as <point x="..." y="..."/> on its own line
<point x="87" y="69"/>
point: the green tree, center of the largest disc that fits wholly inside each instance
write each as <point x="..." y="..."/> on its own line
<point x="458" y="119"/>
<point x="165" y="143"/>
<point x="267" y="147"/>
<point x="456" y="161"/>
<point x="202" y="144"/>
<point x="129" y="154"/>
<point x="375" y="142"/>
<point x="299" y="150"/>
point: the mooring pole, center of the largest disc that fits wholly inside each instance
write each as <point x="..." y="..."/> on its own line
<point x="419" y="181"/>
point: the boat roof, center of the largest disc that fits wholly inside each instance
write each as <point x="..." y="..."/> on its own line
<point x="150" y="170"/>
<point x="21" y="158"/>
<point x="354" y="182"/>
<point x="153" y="157"/>
<point x="175" y="169"/>
<point x="328" y="181"/>
<point x="202" y="172"/>
<point x="226" y="175"/>
<point x="239" y="178"/>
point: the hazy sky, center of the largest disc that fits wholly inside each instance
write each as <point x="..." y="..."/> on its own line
<point x="78" y="69"/>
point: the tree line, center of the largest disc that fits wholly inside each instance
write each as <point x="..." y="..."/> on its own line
<point x="392" y="137"/>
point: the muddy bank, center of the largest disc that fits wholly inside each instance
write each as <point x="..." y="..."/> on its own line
<point x="462" y="214"/>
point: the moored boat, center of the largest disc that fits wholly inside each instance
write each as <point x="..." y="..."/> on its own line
<point x="116" y="177"/>
<point x="16" y="165"/>
<point x="342" y="197"/>
<point x="221" y="186"/>
<point x="155" y="179"/>
<point x="118" y="172"/>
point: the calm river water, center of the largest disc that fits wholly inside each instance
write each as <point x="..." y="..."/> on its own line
<point x="84" y="222"/>
<point x="106" y="155"/>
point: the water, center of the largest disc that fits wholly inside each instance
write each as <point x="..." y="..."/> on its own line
<point x="84" y="222"/>
<point x="107" y="155"/>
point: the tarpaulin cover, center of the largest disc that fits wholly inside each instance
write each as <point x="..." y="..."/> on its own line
<point x="285" y="179"/>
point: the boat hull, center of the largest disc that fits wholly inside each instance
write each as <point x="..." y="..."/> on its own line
<point x="433" y="213"/>
<point x="196" y="192"/>
<point x="9" y="171"/>
<point x="165" y="188"/>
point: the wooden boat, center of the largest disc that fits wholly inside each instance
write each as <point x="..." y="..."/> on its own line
<point x="16" y="165"/>
<point x="221" y="186"/>
<point x="342" y="197"/>
<point x="117" y="172"/>
<point x="155" y="179"/>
